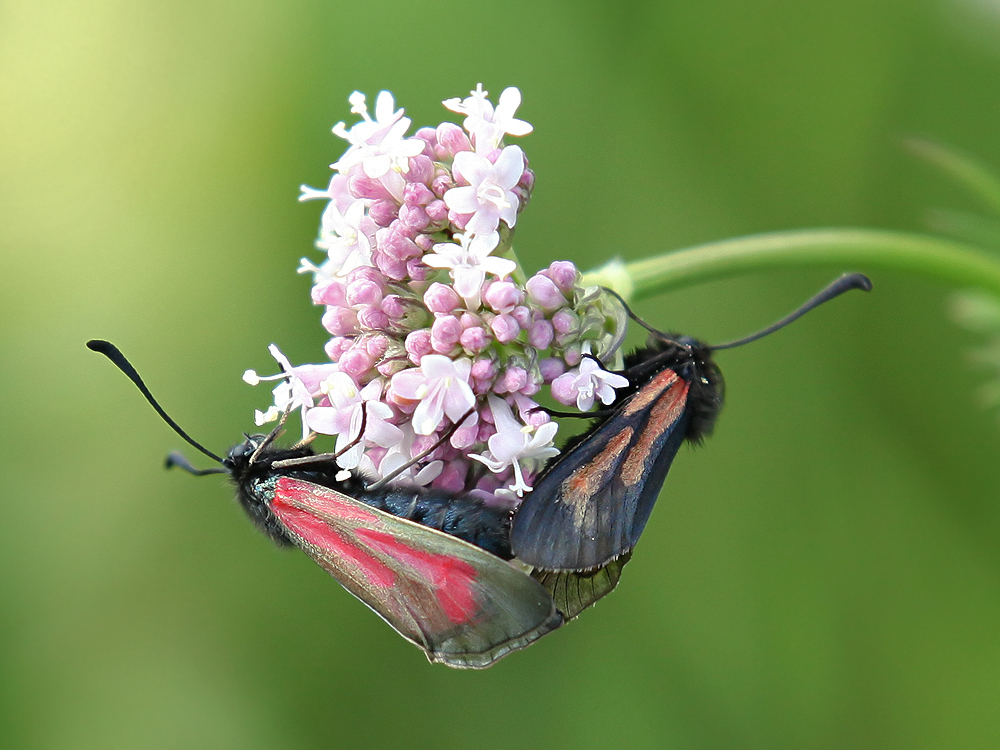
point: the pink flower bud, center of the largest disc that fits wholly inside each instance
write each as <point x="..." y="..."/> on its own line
<point x="445" y="332"/>
<point x="377" y="345"/>
<point x="441" y="298"/>
<point x="413" y="218"/>
<point x="368" y="274"/>
<point x="424" y="442"/>
<point x="452" y="476"/>
<point x="417" y="194"/>
<point x="505" y="328"/>
<point x="544" y="293"/>
<point x="372" y="318"/>
<point x="437" y="211"/>
<point x="512" y="380"/>
<point x="522" y="315"/>
<point x="421" y="171"/>
<point x="564" y="389"/>
<point x="465" y="436"/>
<point x="474" y="339"/>
<point x="340" y="321"/>
<point x="394" y="306"/>
<point x="536" y="417"/>
<point x="565" y="322"/>
<point x="427" y="134"/>
<point x="329" y="292"/>
<point x="396" y="243"/>
<point x="540" y="334"/>
<point x="442" y="183"/>
<point x="392" y="268"/>
<point x="450" y="140"/>
<point x="363" y="292"/>
<point x="383" y="213"/>
<point x="484" y="368"/>
<point x="389" y="367"/>
<point x="551" y="368"/>
<point x="425" y="242"/>
<point x="336" y="347"/>
<point x="486" y="431"/>
<point x="356" y="362"/>
<point x="527" y="180"/>
<point x="531" y="387"/>
<point x="572" y="355"/>
<point x="418" y="343"/>
<point x="564" y="275"/>
<point x="503" y="296"/>
<point x="459" y="220"/>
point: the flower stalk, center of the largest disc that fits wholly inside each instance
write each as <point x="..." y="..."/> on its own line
<point x="946" y="260"/>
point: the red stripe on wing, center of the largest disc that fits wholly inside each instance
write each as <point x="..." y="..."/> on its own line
<point x="320" y="534"/>
<point x="299" y="507"/>
<point x="452" y="579"/>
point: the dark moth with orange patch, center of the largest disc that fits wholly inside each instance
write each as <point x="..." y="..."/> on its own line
<point x="578" y="526"/>
<point x="585" y="514"/>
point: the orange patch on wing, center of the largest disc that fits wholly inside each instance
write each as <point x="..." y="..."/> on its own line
<point x="667" y="410"/>
<point x="650" y="392"/>
<point x="583" y="483"/>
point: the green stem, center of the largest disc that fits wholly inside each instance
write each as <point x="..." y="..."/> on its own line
<point x="861" y="249"/>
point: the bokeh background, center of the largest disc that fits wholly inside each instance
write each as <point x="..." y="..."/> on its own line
<point x="823" y="573"/>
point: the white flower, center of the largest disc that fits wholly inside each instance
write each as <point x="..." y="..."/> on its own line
<point x="349" y="408"/>
<point x="589" y="381"/>
<point x="469" y="261"/>
<point x="441" y="385"/>
<point x="486" y="125"/>
<point x="400" y="455"/>
<point x="346" y="238"/>
<point x="488" y="196"/>
<point x="515" y="442"/>
<point x="297" y="390"/>
<point x="378" y="145"/>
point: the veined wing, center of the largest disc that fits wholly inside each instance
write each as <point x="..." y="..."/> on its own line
<point x="462" y="605"/>
<point x="591" y="506"/>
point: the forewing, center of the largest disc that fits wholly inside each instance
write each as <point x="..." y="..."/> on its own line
<point x="592" y="505"/>
<point x="462" y="605"/>
<point x="574" y="591"/>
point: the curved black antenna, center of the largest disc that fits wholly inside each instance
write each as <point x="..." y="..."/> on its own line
<point x="111" y="351"/>
<point x="177" y="459"/>
<point x="628" y="310"/>
<point x="843" y="284"/>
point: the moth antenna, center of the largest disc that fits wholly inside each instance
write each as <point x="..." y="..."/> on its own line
<point x="112" y="352"/>
<point x="416" y="459"/>
<point x="573" y="414"/>
<point x="844" y="284"/>
<point x="655" y="331"/>
<point x="181" y="462"/>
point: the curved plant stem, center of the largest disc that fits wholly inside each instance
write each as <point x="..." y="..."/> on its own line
<point x="860" y="249"/>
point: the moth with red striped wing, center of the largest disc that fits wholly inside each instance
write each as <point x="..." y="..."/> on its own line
<point x="432" y="564"/>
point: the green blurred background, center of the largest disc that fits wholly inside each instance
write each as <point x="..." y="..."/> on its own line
<point x="823" y="573"/>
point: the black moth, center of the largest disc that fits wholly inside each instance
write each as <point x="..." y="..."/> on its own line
<point x="586" y="512"/>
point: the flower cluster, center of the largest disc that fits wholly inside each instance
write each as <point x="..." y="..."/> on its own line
<point x="438" y="344"/>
